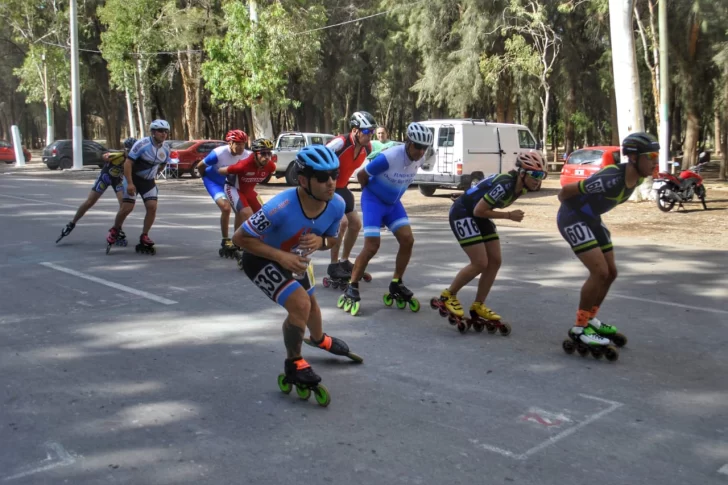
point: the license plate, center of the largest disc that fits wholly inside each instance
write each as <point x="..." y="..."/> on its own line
<point x="579" y="172"/>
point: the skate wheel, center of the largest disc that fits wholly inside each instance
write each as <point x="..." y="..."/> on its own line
<point x="221" y="252"/>
<point x="611" y="353"/>
<point x="108" y="248"/>
<point x="347" y="305"/>
<point x="303" y="392"/>
<point x="327" y="282"/>
<point x="367" y="277"/>
<point x="414" y="305"/>
<point x="356" y="358"/>
<point x="355" y="309"/>
<point x="452" y="320"/>
<point x="442" y="312"/>
<point x="152" y="251"/>
<point x="323" y="398"/>
<point x="568" y="346"/>
<point x="462" y="328"/>
<point x="582" y="349"/>
<point x="505" y="329"/>
<point x="340" y="301"/>
<point x="490" y="327"/>
<point x="434" y="304"/>
<point x="596" y="352"/>
<point x="401" y="304"/>
<point x="619" y="339"/>
<point x="283" y="385"/>
<point x="479" y="327"/>
<point x="388" y="300"/>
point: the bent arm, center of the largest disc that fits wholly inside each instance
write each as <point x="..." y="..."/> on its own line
<point x="485" y="211"/>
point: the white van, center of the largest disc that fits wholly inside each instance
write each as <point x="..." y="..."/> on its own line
<point x="467" y="150"/>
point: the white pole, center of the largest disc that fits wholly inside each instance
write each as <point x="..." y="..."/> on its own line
<point x="75" y="92"/>
<point x="50" y="135"/>
<point x="664" y="89"/>
<point x="18" y="147"/>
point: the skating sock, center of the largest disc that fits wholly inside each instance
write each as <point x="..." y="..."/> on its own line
<point x="397" y="280"/>
<point x="354" y="284"/>
<point x="594" y="311"/>
<point x="582" y="318"/>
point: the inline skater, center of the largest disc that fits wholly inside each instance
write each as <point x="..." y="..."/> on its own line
<point x="110" y="176"/>
<point x="384" y="180"/>
<point x="351" y="150"/>
<point x="145" y="160"/>
<point x="214" y="182"/>
<point x="580" y="223"/>
<point x="277" y="241"/>
<point x="471" y="220"/>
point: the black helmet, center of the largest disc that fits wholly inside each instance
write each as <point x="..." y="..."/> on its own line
<point x="362" y="120"/>
<point x="639" y="143"/>
<point x="128" y="143"/>
<point x="261" y="144"/>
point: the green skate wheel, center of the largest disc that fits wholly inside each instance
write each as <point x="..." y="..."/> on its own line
<point x="388" y="300"/>
<point x="323" y="398"/>
<point x="340" y="301"/>
<point x="347" y="305"/>
<point x="505" y="329"/>
<point x="284" y="386"/>
<point x="355" y="357"/>
<point x="401" y="304"/>
<point x="354" y="308"/>
<point x="414" y="305"/>
<point x="568" y="346"/>
<point x="303" y="392"/>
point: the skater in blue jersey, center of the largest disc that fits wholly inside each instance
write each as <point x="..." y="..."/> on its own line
<point x="277" y="241"/>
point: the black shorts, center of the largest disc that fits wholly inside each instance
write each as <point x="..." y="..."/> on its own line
<point x="582" y="232"/>
<point x="470" y="230"/>
<point x="106" y="180"/>
<point x="348" y="197"/>
<point x="275" y="281"/>
<point x="145" y="187"/>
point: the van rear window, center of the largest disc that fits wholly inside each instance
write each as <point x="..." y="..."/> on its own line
<point x="446" y="136"/>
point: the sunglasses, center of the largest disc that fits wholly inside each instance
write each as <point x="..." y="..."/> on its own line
<point x="366" y="131"/>
<point x="652" y="155"/>
<point x="323" y="177"/>
<point x="265" y="154"/>
<point x="419" y="146"/>
<point x="537" y="174"/>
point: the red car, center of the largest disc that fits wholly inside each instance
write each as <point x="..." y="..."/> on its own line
<point x="585" y="162"/>
<point x="190" y="153"/>
<point x="7" y="152"/>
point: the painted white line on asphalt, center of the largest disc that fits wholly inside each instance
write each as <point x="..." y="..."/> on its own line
<point x="723" y="469"/>
<point x="127" y="289"/>
<point x="52" y="448"/>
<point x="611" y="295"/>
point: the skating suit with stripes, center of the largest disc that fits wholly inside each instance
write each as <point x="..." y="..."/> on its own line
<point x="280" y="223"/>
<point x="147" y="158"/>
<point x="599" y="194"/>
<point x="344" y="147"/>
<point x="246" y="174"/>
<point x="222" y="157"/>
<point x="498" y="191"/>
<point x="391" y="172"/>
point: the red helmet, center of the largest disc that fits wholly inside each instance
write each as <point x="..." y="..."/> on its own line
<point x="237" y="136"/>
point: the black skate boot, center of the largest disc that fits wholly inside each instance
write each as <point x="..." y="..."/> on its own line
<point x="146" y="245"/>
<point x="402" y="295"/>
<point x="336" y="346"/>
<point x="121" y="239"/>
<point x="349" y="268"/>
<point x="66" y="231"/>
<point x="300" y="374"/>
<point x="337" y="277"/>
<point x="228" y="249"/>
<point x="349" y="301"/>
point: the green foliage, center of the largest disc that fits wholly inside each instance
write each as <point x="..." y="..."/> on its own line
<point x="31" y="75"/>
<point x="255" y="60"/>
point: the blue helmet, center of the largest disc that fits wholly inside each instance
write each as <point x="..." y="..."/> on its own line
<point x="317" y="158"/>
<point x="129" y="143"/>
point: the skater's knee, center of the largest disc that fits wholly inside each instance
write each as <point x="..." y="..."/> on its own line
<point x="371" y="245"/>
<point x="299" y="307"/>
<point x="602" y="274"/>
<point x="343" y="225"/>
<point x="355" y="224"/>
<point x="494" y="262"/>
<point x="612" y="274"/>
<point x="225" y="209"/>
<point x="407" y="241"/>
<point x="480" y="263"/>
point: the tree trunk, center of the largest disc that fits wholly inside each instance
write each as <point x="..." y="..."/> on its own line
<point x="716" y="131"/>
<point x="692" y="134"/>
<point x="141" y="101"/>
<point x="614" y="120"/>
<point x="545" y="117"/>
<point x="570" y="109"/>
<point x="262" y="126"/>
<point x="190" y="71"/>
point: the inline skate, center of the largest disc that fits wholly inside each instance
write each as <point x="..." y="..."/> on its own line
<point x="337" y="277"/>
<point x="228" y="249"/>
<point x="349" y="301"/>
<point x="608" y="331"/>
<point x="336" y="346"/>
<point x="146" y="245"/>
<point x="300" y="374"/>
<point x="482" y="317"/>
<point x="586" y="340"/>
<point x="449" y="306"/>
<point x="116" y="237"/>
<point x="348" y="266"/>
<point x="401" y="295"/>
<point x="66" y="231"/>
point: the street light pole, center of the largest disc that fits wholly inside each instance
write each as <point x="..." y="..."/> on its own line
<point x="664" y="87"/>
<point x="75" y="92"/>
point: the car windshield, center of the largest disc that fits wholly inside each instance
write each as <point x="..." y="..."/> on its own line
<point x="585" y="157"/>
<point x="4" y="144"/>
<point x="184" y="145"/>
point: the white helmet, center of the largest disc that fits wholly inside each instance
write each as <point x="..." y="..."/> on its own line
<point x="159" y="125"/>
<point x="362" y="120"/>
<point x="420" y="134"/>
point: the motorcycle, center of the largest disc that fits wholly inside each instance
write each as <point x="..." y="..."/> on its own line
<point x="676" y="190"/>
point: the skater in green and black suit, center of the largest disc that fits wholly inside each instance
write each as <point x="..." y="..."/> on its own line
<point x="580" y="223"/>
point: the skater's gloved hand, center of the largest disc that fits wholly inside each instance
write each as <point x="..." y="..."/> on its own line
<point x="294" y="263"/>
<point x="310" y="243"/>
<point x="516" y="215"/>
<point x="131" y="189"/>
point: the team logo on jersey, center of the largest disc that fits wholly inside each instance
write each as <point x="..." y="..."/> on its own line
<point x="594" y="187"/>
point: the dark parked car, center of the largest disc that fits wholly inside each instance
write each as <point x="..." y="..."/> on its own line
<point x="59" y="154"/>
<point x="7" y="152"/>
<point x="190" y="153"/>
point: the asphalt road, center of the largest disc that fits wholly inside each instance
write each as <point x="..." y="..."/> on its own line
<point x="162" y="369"/>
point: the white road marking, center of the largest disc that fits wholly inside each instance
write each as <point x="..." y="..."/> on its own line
<point x="723" y="469"/>
<point x="52" y="448"/>
<point x="111" y="284"/>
